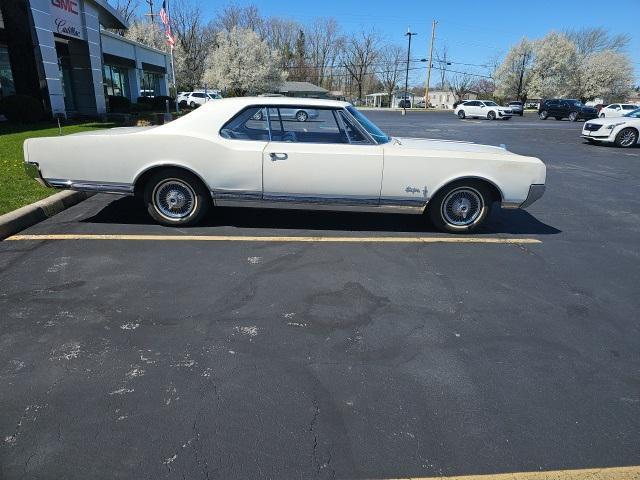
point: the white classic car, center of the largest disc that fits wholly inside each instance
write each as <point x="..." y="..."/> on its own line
<point x="243" y="152"/>
<point x="622" y="131"/>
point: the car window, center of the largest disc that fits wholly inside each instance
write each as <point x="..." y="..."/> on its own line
<point x="353" y="132"/>
<point x="371" y="128"/>
<point x="633" y="114"/>
<point x="473" y="104"/>
<point x="314" y="126"/>
<point x="249" y="124"/>
<point x="491" y="104"/>
<point x="198" y="95"/>
<point x="629" y="107"/>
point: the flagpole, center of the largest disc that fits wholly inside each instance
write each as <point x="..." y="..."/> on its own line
<point x="173" y="71"/>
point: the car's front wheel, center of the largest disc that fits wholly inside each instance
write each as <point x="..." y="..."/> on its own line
<point x="627" y="137"/>
<point x="461" y="114"/>
<point x="461" y="207"/>
<point x="602" y="115"/>
<point x="491" y="115"/>
<point x="543" y="115"/>
<point x="175" y="197"/>
<point x="193" y="104"/>
<point x="573" y="116"/>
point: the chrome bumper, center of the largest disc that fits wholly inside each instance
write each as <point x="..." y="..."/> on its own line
<point x="535" y="193"/>
<point x="32" y="169"/>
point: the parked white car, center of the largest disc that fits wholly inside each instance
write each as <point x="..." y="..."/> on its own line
<point x="196" y="99"/>
<point x="617" y="110"/>
<point x="622" y="131"/>
<point x="482" y="109"/>
<point x="225" y="154"/>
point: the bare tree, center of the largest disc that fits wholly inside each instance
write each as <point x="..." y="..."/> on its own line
<point x="281" y="36"/>
<point x="127" y="9"/>
<point x="360" y="52"/>
<point x="245" y="17"/>
<point x="595" y="40"/>
<point x="461" y="85"/>
<point x="194" y="41"/>
<point x="442" y="59"/>
<point x="391" y="58"/>
<point x="324" y="42"/>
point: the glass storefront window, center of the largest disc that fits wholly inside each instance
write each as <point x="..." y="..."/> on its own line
<point x="7" y="86"/>
<point x="149" y="84"/>
<point x="115" y="81"/>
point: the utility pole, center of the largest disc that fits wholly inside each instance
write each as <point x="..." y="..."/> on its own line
<point x="426" y="87"/>
<point x="406" y="78"/>
<point x="151" y="15"/>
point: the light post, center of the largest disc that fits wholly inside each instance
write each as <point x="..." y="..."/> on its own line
<point x="406" y="78"/>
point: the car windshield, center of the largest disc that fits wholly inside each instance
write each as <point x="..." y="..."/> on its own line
<point x="491" y="104"/>
<point x="633" y="114"/>
<point x="369" y="126"/>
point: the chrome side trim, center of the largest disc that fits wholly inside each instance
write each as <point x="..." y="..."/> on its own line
<point x="535" y="193"/>
<point x="236" y="195"/>
<point x="88" y="186"/>
<point x="323" y="200"/>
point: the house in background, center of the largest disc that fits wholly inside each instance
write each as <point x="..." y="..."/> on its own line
<point x="446" y="98"/>
<point x="302" y="90"/>
<point x="59" y="52"/>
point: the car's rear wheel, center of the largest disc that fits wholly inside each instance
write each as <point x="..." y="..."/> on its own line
<point x="491" y="115"/>
<point x="627" y="137"/>
<point x="461" y="207"/>
<point x="543" y="115"/>
<point x="175" y="197"/>
<point x="602" y="115"/>
<point x="302" y="116"/>
<point x="573" y="116"/>
<point x="193" y="104"/>
<point x="461" y="114"/>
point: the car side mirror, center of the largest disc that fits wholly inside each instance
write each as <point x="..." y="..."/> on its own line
<point x="481" y="106"/>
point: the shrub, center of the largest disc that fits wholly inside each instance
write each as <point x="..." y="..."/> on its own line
<point x="21" y="108"/>
<point x="118" y="104"/>
<point x="159" y="103"/>
<point x="140" y="107"/>
<point x="145" y="101"/>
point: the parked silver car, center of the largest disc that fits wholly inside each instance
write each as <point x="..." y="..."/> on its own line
<point x="300" y="114"/>
<point x="516" y="107"/>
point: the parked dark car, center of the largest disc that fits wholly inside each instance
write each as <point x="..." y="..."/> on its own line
<point x="560" y="108"/>
<point x="516" y="107"/>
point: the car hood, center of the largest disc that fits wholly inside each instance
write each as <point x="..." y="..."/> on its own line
<point x="614" y="120"/>
<point x="450" y="145"/>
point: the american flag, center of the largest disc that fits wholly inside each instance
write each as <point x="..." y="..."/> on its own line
<point x="164" y="17"/>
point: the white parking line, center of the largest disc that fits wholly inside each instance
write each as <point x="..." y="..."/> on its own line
<point x="241" y="238"/>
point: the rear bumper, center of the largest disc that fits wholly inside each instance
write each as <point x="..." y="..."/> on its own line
<point x="535" y="193"/>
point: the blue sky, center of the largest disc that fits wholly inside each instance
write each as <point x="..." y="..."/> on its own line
<point x="473" y="31"/>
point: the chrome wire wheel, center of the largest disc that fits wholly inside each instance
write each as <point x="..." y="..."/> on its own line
<point x="174" y="199"/>
<point x="462" y="207"/>
<point x="627" y="137"/>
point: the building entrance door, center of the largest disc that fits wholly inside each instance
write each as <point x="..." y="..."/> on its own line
<point x="66" y="76"/>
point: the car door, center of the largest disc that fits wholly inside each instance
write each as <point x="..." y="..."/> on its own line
<point x="237" y="178"/>
<point x="327" y="160"/>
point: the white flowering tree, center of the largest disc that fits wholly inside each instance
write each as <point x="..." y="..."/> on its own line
<point x="242" y="63"/>
<point x="513" y="76"/>
<point x="608" y="75"/>
<point x="584" y="64"/>
<point x="556" y="67"/>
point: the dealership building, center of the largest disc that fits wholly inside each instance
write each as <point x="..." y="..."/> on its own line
<point x="60" y="52"/>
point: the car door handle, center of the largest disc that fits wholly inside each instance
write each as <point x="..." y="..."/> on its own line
<point x="278" y="156"/>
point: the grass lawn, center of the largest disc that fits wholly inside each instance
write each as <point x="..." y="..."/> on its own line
<point x="17" y="189"/>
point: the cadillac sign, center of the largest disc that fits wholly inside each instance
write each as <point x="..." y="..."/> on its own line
<point x="67" y="18"/>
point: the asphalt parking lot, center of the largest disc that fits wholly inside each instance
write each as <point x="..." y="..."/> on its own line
<point x="131" y="358"/>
